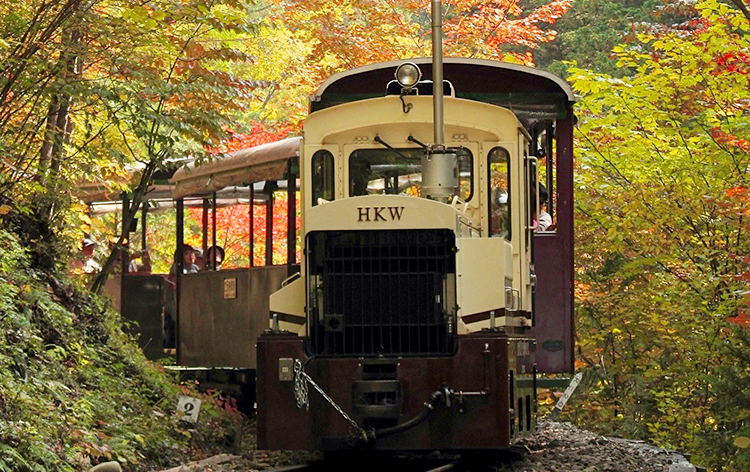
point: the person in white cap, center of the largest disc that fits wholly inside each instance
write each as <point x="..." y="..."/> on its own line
<point x="87" y="264"/>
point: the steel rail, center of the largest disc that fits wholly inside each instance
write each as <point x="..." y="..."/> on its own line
<point x="290" y="468"/>
<point x="443" y="468"/>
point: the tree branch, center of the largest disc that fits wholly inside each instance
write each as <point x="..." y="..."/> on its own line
<point x="743" y="8"/>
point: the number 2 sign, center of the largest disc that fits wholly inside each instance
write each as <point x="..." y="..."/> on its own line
<point x="188" y="408"/>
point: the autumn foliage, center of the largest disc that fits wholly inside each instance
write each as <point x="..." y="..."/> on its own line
<point x="486" y="29"/>
<point x="110" y="91"/>
<point x="663" y="236"/>
<point x="257" y="133"/>
<point x="233" y="232"/>
<point x="352" y="33"/>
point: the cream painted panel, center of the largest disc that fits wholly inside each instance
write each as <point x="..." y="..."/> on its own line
<point x="342" y="123"/>
<point x="527" y="293"/>
<point x="520" y="237"/>
<point x="482" y="273"/>
<point x="290" y="299"/>
<point x="381" y="212"/>
<point x="508" y="264"/>
<point x="299" y="330"/>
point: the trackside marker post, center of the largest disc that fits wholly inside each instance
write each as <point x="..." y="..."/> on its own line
<point x="566" y="395"/>
<point x="188" y="408"/>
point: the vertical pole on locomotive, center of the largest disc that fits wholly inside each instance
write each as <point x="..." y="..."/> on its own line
<point x="439" y="165"/>
<point x="437" y="71"/>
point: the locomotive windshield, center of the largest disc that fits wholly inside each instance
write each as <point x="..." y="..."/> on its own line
<point x="399" y="172"/>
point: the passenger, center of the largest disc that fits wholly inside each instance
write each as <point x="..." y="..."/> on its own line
<point x="499" y="222"/>
<point x="168" y="324"/>
<point x="360" y="177"/>
<point x="188" y="261"/>
<point x="169" y="327"/>
<point x="544" y="221"/>
<point x="214" y="257"/>
<point x="85" y="263"/>
<point x="199" y="260"/>
<point x="116" y="268"/>
<point x="143" y="266"/>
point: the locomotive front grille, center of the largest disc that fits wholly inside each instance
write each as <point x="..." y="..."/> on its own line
<point x="377" y="293"/>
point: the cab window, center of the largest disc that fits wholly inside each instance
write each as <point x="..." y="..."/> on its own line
<point x="499" y="193"/>
<point x="322" y="177"/>
<point x="387" y="172"/>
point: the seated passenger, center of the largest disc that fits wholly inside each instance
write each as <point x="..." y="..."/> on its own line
<point x="544" y="221"/>
<point x="199" y="260"/>
<point x="188" y="261"/>
<point x="214" y="257"/>
<point x="143" y="266"/>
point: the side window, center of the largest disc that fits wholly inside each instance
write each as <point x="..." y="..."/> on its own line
<point x="465" y="174"/>
<point x="322" y="176"/>
<point x="532" y="172"/>
<point x="547" y="195"/>
<point x="544" y="149"/>
<point x="499" y="192"/>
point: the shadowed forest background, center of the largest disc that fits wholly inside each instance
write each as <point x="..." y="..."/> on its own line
<point x="113" y="91"/>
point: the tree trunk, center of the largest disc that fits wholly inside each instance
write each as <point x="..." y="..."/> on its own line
<point x="138" y="198"/>
<point x="58" y="128"/>
<point x="41" y="228"/>
<point x="743" y="7"/>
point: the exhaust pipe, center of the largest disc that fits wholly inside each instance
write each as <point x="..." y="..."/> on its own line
<point x="437" y="71"/>
<point x="439" y="167"/>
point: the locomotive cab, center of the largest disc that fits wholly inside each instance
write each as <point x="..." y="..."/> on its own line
<point x="412" y="315"/>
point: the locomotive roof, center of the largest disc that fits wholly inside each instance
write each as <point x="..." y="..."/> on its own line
<point x="255" y="164"/>
<point x="528" y="92"/>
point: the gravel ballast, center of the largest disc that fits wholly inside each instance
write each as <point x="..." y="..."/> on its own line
<point x="555" y="447"/>
<point x="563" y="447"/>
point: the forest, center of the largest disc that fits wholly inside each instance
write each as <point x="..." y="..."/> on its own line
<point x="115" y="91"/>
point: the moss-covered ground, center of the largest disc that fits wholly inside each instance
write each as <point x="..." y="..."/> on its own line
<point x="75" y="391"/>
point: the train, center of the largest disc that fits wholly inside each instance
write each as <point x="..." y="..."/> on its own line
<point x="202" y="326"/>
<point x="419" y="301"/>
<point x="428" y="301"/>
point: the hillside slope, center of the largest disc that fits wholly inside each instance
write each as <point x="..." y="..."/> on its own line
<point x="75" y="391"/>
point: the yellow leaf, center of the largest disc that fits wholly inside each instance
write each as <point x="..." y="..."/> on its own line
<point x="4" y="209"/>
<point x="743" y="442"/>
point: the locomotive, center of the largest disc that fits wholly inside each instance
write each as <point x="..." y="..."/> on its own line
<point x="427" y="300"/>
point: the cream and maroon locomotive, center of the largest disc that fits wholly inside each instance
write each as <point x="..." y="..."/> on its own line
<point x="427" y="299"/>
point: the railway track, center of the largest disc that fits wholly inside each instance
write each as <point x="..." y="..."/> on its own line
<point x="555" y="447"/>
<point x="407" y="463"/>
<point x="328" y="466"/>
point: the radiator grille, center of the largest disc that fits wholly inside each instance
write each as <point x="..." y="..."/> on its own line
<point x="381" y="292"/>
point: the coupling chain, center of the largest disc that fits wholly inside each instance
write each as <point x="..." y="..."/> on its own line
<point x="301" y="379"/>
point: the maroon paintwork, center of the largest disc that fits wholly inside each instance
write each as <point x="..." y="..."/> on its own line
<point x="481" y="364"/>
<point x="554" y="327"/>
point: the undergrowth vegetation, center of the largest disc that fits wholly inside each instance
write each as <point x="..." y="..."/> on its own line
<point x="75" y="391"/>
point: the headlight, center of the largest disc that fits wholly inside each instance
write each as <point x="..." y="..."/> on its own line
<point x="408" y="75"/>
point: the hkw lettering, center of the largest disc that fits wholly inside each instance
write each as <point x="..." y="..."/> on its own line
<point x="380" y="213"/>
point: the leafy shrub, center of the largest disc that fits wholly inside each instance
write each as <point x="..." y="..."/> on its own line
<point x="75" y="390"/>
